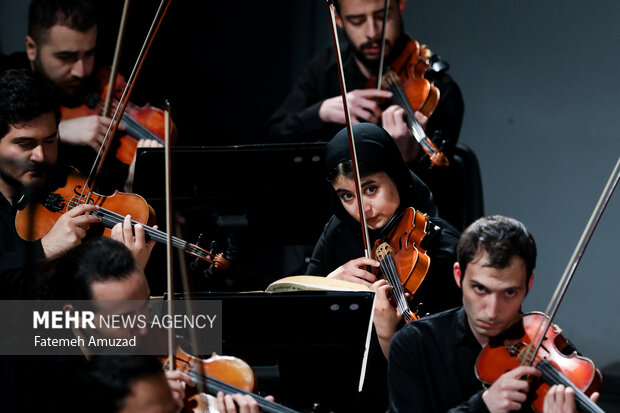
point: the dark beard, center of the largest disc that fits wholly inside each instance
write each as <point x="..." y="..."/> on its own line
<point x="23" y="194"/>
<point x="371" y="64"/>
<point x="66" y="97"/>
<point x="395" y="50"/>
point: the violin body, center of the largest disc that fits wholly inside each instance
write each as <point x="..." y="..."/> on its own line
<point x="413" y="92"/>
<point x="37" y="219"/>
<point x="403" y="262"/>
<point x="511" y="349"/>
<point x="232" y="370"/>
<point x="145" y="122"/>
<point x="411" y="261"/>
<point x="220" y="373"/>
<point x="44" y="215"/>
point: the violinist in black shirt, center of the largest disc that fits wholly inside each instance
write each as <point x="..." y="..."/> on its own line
<point x="314" y="111"/>
<point x="431" y="361"/>
<point x="29" y="155"/>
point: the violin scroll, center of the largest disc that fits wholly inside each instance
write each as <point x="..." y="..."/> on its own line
<point x="413" y="92"/>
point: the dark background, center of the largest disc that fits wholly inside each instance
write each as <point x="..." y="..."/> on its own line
<point x="540" y="82"/>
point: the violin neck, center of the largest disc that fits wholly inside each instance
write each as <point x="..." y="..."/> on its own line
<point x="110" y="218"/>
<point x="213" y="386"/>
<point x="391" y="275"/>
<point x="137" y="130"/>
<point x="400" y="98"/>
<point x="552" y="376"/>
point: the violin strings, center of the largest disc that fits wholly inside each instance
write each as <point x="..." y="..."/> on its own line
<point x="389" y="270"/>
<point x="112" y="218"/>
<point x="134" y="128"/>
<point x="400" y="97"/>
<point x="553" y="376"/>
<point x="219" y="385"/>
<point x="155" y="234"/>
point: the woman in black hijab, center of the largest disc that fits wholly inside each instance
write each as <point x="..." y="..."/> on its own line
<point x="388" y="187"/>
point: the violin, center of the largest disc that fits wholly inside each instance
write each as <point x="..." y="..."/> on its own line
<point x="144" y="122"/>
<point x="413" y="92"/>
<point x="227" y="374"/>
<point x="403" y="262"/>
<point x="536" y="341"/>
<point x="514" y="347"/>
<point x="37" y="218"/>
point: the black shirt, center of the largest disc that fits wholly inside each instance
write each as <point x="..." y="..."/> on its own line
<point x="297" y="119"/>
<point x="431" y="366"/>
<point x="15" y="253"/>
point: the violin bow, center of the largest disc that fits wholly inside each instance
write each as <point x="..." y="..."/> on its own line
<point x="183" y="269"/>
<point x="345" y="101"/>
<point x="575" y="259"/>
<point x="124" y="100"/>
<point x="382" y="49"/>
<point x="169" y="278"/>
<point x="117" y="52"/>
<point x="358" y="185"/>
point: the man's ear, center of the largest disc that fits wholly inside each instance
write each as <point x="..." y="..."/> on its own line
<point x="529" y="283"/>
<point x="31" y="48"/>
<point x="456" y="271"/>
<point x="401" y="6"/>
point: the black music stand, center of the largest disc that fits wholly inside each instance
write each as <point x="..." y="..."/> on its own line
<point x="281" y="188"/>
<point x="305" y="347"/>
<point x="256" y="200"/>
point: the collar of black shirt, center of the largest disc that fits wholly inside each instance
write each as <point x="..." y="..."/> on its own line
<point x="462" y="332"/>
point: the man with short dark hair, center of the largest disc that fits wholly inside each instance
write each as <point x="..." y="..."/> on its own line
<point x="28" y="163"/>
<point x="60" y="46"/>
<point x="314" y="110"/>
<point x="431" y="361"/>
<point x="28" y="154"/>
<point x="128" y="384"/>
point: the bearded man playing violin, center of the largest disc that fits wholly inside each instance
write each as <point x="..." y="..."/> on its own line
<point x="60" y="46"/>
<point x="431" y="361"/>
<point x="314" y="110"/>
<point x="29" y="155"/>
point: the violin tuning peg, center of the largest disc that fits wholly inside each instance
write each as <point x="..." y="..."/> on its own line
<point x="214" y="247"/>
<point x="418" y="309"/>
<point x="197" y="262"/>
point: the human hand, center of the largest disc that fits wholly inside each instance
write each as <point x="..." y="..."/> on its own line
<point x="422" y="119"/>
<point x="363" y="106"/>
<point x="560" y="399"/>
<point x="69" y="230"/>
<point x="509" y="391"/>
<point x="352" y="271"/>
<point x="177" y="380"/>
<point x="85" y="130"/>
<point x="228" y="403"/>
<point x="134" y="239"/>
<point x="386" y="315"/>
<point x="393" y="121"/>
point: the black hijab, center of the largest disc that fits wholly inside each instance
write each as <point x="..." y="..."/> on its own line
<point x="377" y="150"/>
